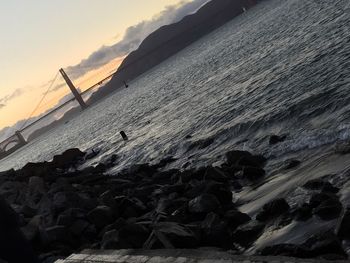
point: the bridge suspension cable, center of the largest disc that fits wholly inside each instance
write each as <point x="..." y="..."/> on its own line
<point x="41" y="100"/>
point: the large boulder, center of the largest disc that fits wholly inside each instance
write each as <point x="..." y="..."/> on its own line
<point x="68" y="158"/>
<point x="273" y="209"/>
<point x="204" y="203"/>
<point x="287" y="250"/>
<point x="235" y="218"/>
<point x="344" y="228"/>
<point x="215" y="232"/>
<point x="318" y="184"/>
<point x="101" y="216"/>
<point x="246" y="234"/>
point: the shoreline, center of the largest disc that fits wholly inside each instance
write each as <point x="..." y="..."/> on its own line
<point x="63" y="210"/>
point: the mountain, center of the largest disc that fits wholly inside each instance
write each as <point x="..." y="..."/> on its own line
<point x="170" y="39"/>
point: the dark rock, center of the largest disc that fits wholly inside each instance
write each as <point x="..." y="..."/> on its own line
<point x="246" y="234"/>
<point x="109" y="161"/>
<point x="242" y="158"/>
<point x="235" y="218"/>
<point x="90" y="154"/>
<point x="214" y="173"/>
<point x="78" y="227"/>
<point x="344" y="228"/>
<point x="287" y="250"/>
<point x="328" y="209"/>
<point x="36" y="169"/>
<point x="56" y="234"/>
<point x="273" y="209"/>
<point x="65" y="200"/>
<point x="274" y="139"/>
<point x="318" y="184"/>
<point x="253" y="173"/>
<point x="204" y="203"/>
<point x="67" y="158"/>
<point x="129" y="207"/>
<point x="325" y="243"/>
<point x="318" y="198"/>
<point x="173" y="235"/>
<point x="215" y="232"/>
<point x="110" y="240"/>
<point x="36" y="189"/>
<point x="100" y="216"/>
<point x="290" y="164"/>
<point x="303" y="213"/>
<point x="133" y="236"/>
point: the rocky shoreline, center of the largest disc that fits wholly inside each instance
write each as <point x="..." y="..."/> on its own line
<point x="62" y="209"/>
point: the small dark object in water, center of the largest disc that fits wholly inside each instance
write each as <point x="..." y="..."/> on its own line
<point x="125" y="84"/>
<point x="123" y="134"/>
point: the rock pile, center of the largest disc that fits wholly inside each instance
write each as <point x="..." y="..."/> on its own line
<point x="63" y="210"/>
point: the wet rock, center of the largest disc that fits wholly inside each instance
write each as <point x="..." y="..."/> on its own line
<point x="101" y="216"/>
<point x="132" y="236"/>
<point x="215" y="232"/>
<point x="287" y="250"/>
<point x="243" y="158"/>
<point x="328" y="209"/>
<point x="35" y="169"/>
<point x="129" y="207"/>
<point x="172" y="235"/>
<point x="109" y="161"/>
<point x="317" y="198"/>
<point x="274" y="139"/>
<point x="36" y="189"/>
<point x="321" y="185"/>
<point x="325" y="243"/>
<point x="273" y="209"/>
<point x="344" y="228"/>
<point x="110" y="240"/>
<point x="290" y="164"/>
<point x="204" y="203"/>
<point x="67" y="158"/>
<point x="235" y="218"/>
<point x="56" y="234"/>
<point x="65" y="200"/>
<point x="253" y="173"/>
<point x="303" y="213"/>
<point x="214" y="173"/>
<point x="246" y="234"/>
<point x="32" y="230"/>
<point x="92" y="153"/>
<point x="165" y="161"/>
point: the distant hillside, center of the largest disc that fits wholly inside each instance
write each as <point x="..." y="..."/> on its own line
<point x="170" y="39"/>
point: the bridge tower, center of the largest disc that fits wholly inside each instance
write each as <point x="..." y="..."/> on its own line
<point x="73" y="89"/>
<point x="20" y="137"/>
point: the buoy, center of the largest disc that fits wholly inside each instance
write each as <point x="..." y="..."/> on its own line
<point x="123" y="134"/>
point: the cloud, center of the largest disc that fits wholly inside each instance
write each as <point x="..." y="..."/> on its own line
<point x="134" y="35"/>
<point x="2" y="105"/>
<point x="16" y="93"/>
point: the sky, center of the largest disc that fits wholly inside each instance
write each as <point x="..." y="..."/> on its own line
<point x="39" y="37"/>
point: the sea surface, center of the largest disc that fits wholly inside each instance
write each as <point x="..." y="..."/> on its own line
<point x="283" y="67"/>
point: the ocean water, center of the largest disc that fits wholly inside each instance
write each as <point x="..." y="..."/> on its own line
<point x="283" y="67"/>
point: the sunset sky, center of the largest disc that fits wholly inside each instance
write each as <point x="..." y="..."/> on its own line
<point x="39" y="37"/>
